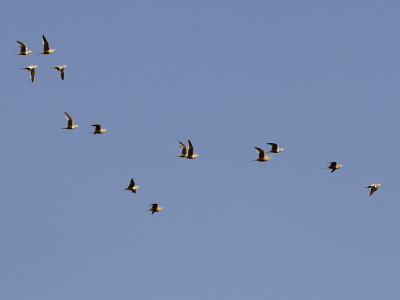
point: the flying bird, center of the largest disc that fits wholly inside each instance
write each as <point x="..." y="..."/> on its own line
<point x="334" y="166"/>
<point x="155" y="208"/>
<point x="23" y="49"/>
<point x="70" y="124"/>
<point x="60" y="68"/>
<point x="31" y="69"/>
<point x="187" y="152"/>
<point x="275" y="148"/>
<point x="46" y="47"/>
<point x="132" y="187"/>
<point x="98" y="129"/>
<point x="261" y="155"/>
<point x="374" y="187"/>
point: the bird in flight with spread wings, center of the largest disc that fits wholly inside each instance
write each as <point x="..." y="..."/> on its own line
<point x="46" y="47"/>
<point x="23" y="49"/>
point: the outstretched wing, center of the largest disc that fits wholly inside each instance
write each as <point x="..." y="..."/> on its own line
<point x="373" y="190"/>
<point x="191" y="150"/>
<point x="32" y="71"/>
<point x="68" y="116"/>
<point x="274" y="147"/>
<point x="22" y="46"/>
<point x="132" y="184"/>
<point x="97" y="127"/>
<point x="183" y="147"/>
<point x="45" y="44"/>
<point x="261" y="152"/>
<point x="70" y="120"/>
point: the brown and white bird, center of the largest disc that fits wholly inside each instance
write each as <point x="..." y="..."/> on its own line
<point x="70" y="124"/>
<point x="155" y="208"/>
<point x="46" y="47"/>
<point x="275" y="148"/>
<point x="98" y="129"/>
<point x="31" y="70"/>
<point x="334" y="166"/>
<point x="23" y="49"/>
<point x="60" y="68"/>
<point x="374" y="187"/>
<point x="132" y="187"/>
<point x="187" y="152"/>
<point x="261" y="155"/>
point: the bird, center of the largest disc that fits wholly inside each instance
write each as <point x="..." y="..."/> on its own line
<point x="187" y="152"/>
<point x="374" y="187"/>
<point x="46" y="47"/>
<point x="98" y="129"/>
<point x="155" y="208"/>
<point x="70" y="124"/>
<point x="60" y="68"/>
<point x="184" y="150"/>
<point x="334" y="166"/>
<point x="23" y="49"/>
<point x="31" y="70"/>
<point x="261" y="155"/>
<point x="132" y="187"/>
<point x="275" y="148"/>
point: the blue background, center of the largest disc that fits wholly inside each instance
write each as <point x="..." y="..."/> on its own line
<point x="318" y="77"/>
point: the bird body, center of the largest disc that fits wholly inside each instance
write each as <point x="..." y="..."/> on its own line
<point x="46" y="47"/>
<point x="333" y="165"/>
<point x="98" y="129"/>
<point x="261" y="155"/>
<point x="155" y="208"/>
<point x="23" y="49"/>
<point x="60" y="68"/>
<point x="275" y="148"/>
<point x="132" y="187"/>
<point x="70" y="124"/>
<point x="31" y="70"/>
<point x="374" y="187"/>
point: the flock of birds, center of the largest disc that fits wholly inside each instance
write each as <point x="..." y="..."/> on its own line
<point x="46" y="50"/>
<point x="187" y="151"/>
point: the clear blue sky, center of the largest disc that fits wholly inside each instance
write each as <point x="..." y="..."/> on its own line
<point x="318" y="77"/>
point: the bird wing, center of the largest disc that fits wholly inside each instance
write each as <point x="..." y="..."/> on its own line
<point x="183" y="147"/>
<point x="132" y="184"/>
<point x="373" y="189"/>
<point x="274" y="146"/>
<point x="22" y="46"/>
<point x="62" y="73"/>
<point x="32" y="74"/>
<point x="97" y="127"/>
<point x="261" y="153"/>
<point x="154" y="205"/>
<point x="333" y="164"/>
<point x="45" y="44"/>
<point x="68" y="116"/>
<point x="191" y="150"/>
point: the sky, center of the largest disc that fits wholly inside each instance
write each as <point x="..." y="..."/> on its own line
<point x="320" y="78"/>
